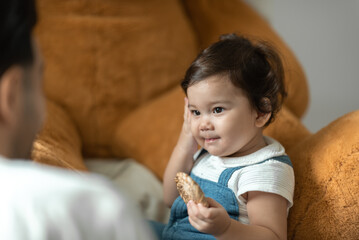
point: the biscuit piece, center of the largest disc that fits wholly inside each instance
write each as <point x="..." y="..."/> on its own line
<point x="189" y="189"/>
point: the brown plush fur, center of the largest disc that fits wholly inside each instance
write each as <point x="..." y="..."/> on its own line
<point x="327" y="182"/>
<point x="60" y="143"/>
<point x="112" y="78"/>
<point x="105" y="58"/>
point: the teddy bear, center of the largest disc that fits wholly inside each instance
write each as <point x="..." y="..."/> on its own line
<point x="111" y="82"/>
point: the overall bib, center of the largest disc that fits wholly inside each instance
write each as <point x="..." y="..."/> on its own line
<point x="179" y="228"/>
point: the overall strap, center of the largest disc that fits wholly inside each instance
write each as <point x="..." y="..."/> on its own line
<point x="227" y="173"/>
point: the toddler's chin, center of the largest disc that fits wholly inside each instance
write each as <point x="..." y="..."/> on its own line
<point x="215" y="153"/>
<point x="219" y="152"/>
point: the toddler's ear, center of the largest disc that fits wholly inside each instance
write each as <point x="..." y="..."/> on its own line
<point x="263" y="118"/>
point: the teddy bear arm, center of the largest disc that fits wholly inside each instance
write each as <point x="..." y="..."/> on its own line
<point x="58" y="144"/>
<point x="327" y="182"/>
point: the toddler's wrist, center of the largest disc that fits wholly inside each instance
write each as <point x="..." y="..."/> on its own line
<point x="185" y="149"/>
<point x="187" y="144"/>
<point x="224" y="232"/>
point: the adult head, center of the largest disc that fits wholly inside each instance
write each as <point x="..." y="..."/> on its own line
<point x="21" y="96"/>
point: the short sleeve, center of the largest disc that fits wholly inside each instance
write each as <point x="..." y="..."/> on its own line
<point x="271" y="176"/>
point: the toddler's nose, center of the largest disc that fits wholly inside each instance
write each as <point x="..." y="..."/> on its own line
<point x="206" y="125"/>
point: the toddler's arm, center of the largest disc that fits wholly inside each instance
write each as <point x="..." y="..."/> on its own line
<point x="267" y="214"/>
<point x="181" y="159"/>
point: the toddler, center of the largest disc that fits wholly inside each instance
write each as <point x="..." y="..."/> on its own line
<point x="234" y="89"/>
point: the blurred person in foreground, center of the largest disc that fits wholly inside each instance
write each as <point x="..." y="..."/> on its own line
<point x="40" y="202"/>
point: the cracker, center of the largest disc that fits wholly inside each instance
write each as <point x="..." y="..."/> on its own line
<point x="189" y="189"/>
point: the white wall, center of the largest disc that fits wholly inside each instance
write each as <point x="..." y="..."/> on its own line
<point x="324" y="35"/>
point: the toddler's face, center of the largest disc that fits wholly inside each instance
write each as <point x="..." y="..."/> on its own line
<point x="222" y="119"/>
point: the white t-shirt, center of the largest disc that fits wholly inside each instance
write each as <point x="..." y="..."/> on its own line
<point x="271" y="176"/>
<point x="39" y="202"/>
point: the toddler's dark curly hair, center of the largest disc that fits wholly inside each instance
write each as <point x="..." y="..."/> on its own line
<point x="256" y="68"/>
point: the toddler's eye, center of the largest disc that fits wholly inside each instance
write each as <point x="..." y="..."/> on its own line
<point x="195" y="112"/>
<point x="218" y="110"/>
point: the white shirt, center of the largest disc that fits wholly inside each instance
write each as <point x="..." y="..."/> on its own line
<point x="39" y="202"/>
<point x="271" y="176"/>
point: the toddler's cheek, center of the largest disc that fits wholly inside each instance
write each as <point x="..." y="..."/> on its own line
<point x="199" y="140"/>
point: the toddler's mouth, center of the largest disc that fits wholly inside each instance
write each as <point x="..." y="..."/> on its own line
<point x="210" y="140"/>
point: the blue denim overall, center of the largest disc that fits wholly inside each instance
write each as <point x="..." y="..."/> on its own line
<point x="179" y="227"/>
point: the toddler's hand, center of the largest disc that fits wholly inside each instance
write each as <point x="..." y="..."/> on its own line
<point x="186" y="140"/>
<point x="213" y="220"/>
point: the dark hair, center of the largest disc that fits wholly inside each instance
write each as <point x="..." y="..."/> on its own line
<point x="255" y="68"/>
<point x="17" y="19"/>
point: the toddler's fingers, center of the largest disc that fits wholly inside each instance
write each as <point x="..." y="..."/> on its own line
<point x="185" y="115"/>
<point x="191" y="208"/>
<point x="205" y="212"/>
<point x="213" y="203"/>
<point x="198" y="223"/>
<point x="194" y="223"/>
<point x="194" y="211"/>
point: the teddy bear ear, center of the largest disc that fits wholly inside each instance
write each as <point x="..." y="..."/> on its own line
<point x="327" y="182"/>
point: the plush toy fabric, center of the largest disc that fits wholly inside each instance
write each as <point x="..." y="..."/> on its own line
<point x="106" y="58"/>
<point x="112" y="78"/>
<point x="327" y="182"/>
